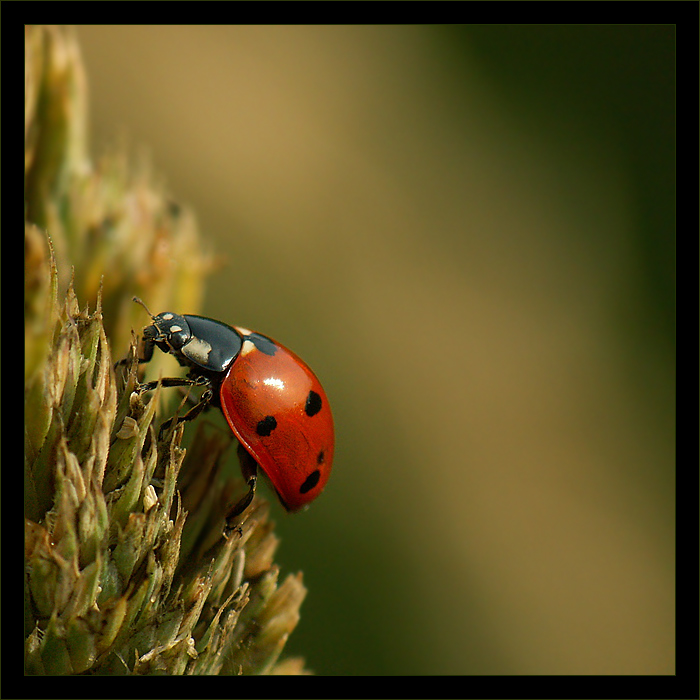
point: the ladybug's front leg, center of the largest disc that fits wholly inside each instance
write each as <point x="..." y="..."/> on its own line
<point x="148" y="345"/>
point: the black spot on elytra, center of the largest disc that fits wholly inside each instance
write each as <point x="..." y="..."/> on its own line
<point x="313" y="404"/>
<point x="262" y="343"/>
<point x="321" y="458"/>
<point x="310" y="481"/>
<point x="266" y="426"/>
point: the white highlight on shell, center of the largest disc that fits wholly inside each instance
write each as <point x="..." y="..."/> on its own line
<point x="274" y="382"/>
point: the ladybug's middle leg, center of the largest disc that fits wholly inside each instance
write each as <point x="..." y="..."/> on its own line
<point x="170" y="382"/>
<point x="203" y="402"/>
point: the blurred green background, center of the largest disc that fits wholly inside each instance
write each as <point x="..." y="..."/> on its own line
<point x="468" y="232"/>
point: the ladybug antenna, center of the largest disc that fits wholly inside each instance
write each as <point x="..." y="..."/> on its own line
<point x="138" y="301"/>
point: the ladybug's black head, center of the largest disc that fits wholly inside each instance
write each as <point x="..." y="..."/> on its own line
<point x="169" y="331"/>
<point x="169" y="328"/>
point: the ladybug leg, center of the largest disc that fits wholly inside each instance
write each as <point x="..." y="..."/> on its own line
<point x="203" y="402"/>
<point x="249" y="469"/>
<point x="170" y="382"/>
<point x="147" y="347"/>
<point x="204" y="399"/>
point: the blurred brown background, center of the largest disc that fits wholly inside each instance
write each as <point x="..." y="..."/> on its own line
<point x="468" y="233"/>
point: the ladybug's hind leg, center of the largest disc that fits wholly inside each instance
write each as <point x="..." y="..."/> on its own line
<point x="249" y="469"/>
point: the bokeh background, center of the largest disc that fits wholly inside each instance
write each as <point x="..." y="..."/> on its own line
<point x="468" y="232"/>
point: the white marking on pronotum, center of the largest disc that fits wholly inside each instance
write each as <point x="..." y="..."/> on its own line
<point x="248" y="346"/>
<point x="197" y="350"/>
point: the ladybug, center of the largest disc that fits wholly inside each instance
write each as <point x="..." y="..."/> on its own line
<point x="270" y="398"/>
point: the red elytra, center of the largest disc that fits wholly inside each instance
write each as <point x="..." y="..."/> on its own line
<point x="278" y="410"/>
